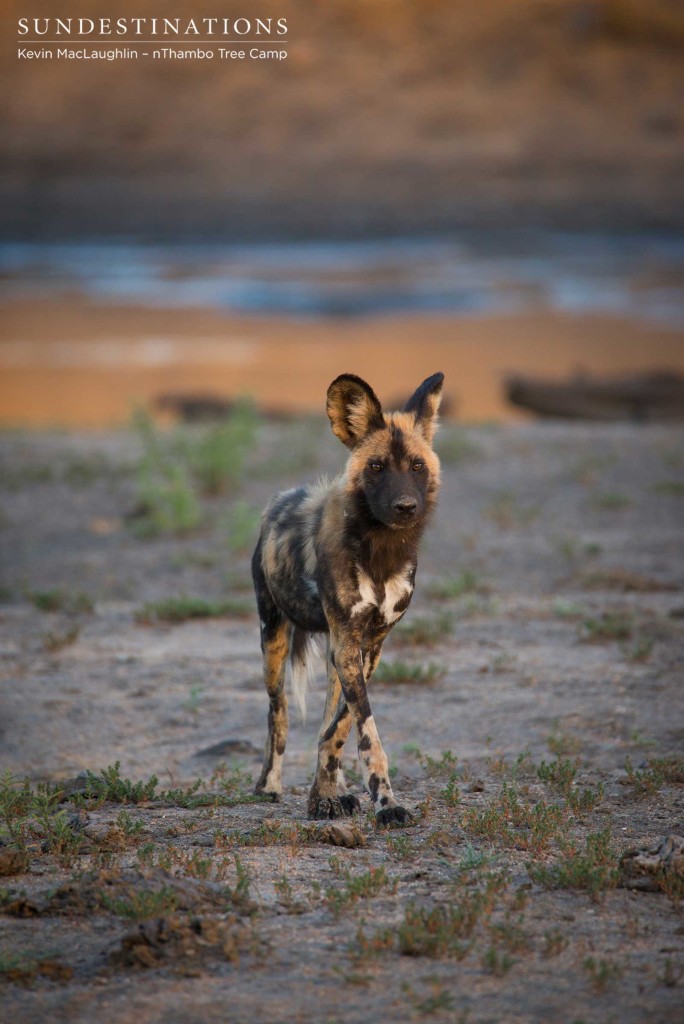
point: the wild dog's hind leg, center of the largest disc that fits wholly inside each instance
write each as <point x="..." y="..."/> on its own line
<point x="275" y="645"/>
<point x="329" y="796"/>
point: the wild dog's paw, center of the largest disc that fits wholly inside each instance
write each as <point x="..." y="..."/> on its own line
<point x="326" y="808"/>
<point x="350" y="804"/>
<point x="268" y="794"/>
<point x="394" y="817"/>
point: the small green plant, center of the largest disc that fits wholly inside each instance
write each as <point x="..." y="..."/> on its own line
<point x="440" y="768"/>
<point x="139" y="905"/>
<point x="439" y="999"/>
<point x="166" y="502"/>
<point x="602" y="972"/>
<point x="560" y="743"/>
<point x="109" y="786"/>
<point x="451" y="793"/>
<point x="497" y="961"/>
<point x="130" y="826"/>
<point x="216" y="455"/>
<point x="511" y="822"/>
<point x="595" y="869"/>
<point x="610" y="501"/>
<point x="446" y="931"/>
<point x="397" y="671"/>
<point x="554" y="943"/>
<point x="400" y="846"/>
<point x="15" y="800"/>
<point x="608" y="626"/>
<point x="57" y="640"/>
<point x="425" y="631"/>
<point x="569" y="610"/>
<point x="659" y="771"/>
<point x="466" y="582"/>
<point x="192" y="704"/>
<point x="240" y="895"/>
<point x="242" y="526"/>
<point x="560" y="775"/>
<point x="357" y="887"/>
<point x="455" y="447"/>
<point x="183" y="608"/>
<point x="674" y="488"/>
<point x="72" y="602"/>
<point x="640" y="651"/>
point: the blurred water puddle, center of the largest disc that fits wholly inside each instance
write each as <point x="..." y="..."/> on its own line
<point x="634" y="276"/>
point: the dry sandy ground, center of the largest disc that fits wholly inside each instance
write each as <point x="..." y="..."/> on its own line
<point x="555" y="526"/>
<point x="71" y="362"/>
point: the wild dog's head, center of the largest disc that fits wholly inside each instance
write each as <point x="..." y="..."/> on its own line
<point x="392" y="468"/>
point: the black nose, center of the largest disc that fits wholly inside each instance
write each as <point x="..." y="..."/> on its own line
<point x="405" y="505"/>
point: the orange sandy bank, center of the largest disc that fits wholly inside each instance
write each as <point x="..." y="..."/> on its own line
<point x="68" y="362"/>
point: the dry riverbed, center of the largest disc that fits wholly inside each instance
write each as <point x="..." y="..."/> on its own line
<point x="531" y="705"/>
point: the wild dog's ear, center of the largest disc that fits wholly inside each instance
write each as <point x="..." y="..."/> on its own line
<point x="353" y="409"/>
<point x="424" y="404"/>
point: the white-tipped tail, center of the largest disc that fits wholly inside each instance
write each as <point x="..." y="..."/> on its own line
<point x="301" y="668"/>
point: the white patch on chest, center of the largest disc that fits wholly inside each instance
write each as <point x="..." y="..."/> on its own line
<point x="367" y="598"/>
<point x="395" y="589"/>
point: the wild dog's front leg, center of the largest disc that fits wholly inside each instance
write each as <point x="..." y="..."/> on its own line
<point x="349" y="661"/>
<point x="329" y="796"/>
<point x="275" y="644"/>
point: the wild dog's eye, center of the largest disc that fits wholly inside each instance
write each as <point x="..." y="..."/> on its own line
<point x="417" y="466"/>
<point x="376" y="466"/>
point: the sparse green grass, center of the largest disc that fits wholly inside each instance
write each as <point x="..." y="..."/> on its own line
<point x="56" y="640"/>
<point x="356" y="887"/>
<point x="142" y="904"/>
<point x="618" y="625"/>
<point x="109" y="787"/>
<point x="439" y="768"/>
<point x="511" y="822"/>
<point x="610" y="501"/>
<point x="166" y="501"/>
<point x="446" y="931"/>
<point x="57" y="600"/>
<point x="425" y="631"/>
<point x="465" y="582"/>
<point x="242" y="526"/>
<point x="397" y="671"/>
<point x="659" y="771"/>
<point x="183" y="608"/>
<point x="673" y="488"/>
<point x="451" y="793"/>
<point x="555" y="942"/>
<point x="130" y="826"/>
<point x="216" y="455"/>
<point x="601" y="972"/>
<point x="560" y="775"/>
<point x="563" y="743"/>
<point x="568" y="610"/>
<point x="454" y="447"/>
<point x="29" y="815"/>
<point x="595" y="869"/>
<point x="640" y="651"/>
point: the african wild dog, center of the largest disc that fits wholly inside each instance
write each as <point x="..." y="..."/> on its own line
<point x="340" y="559"/>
